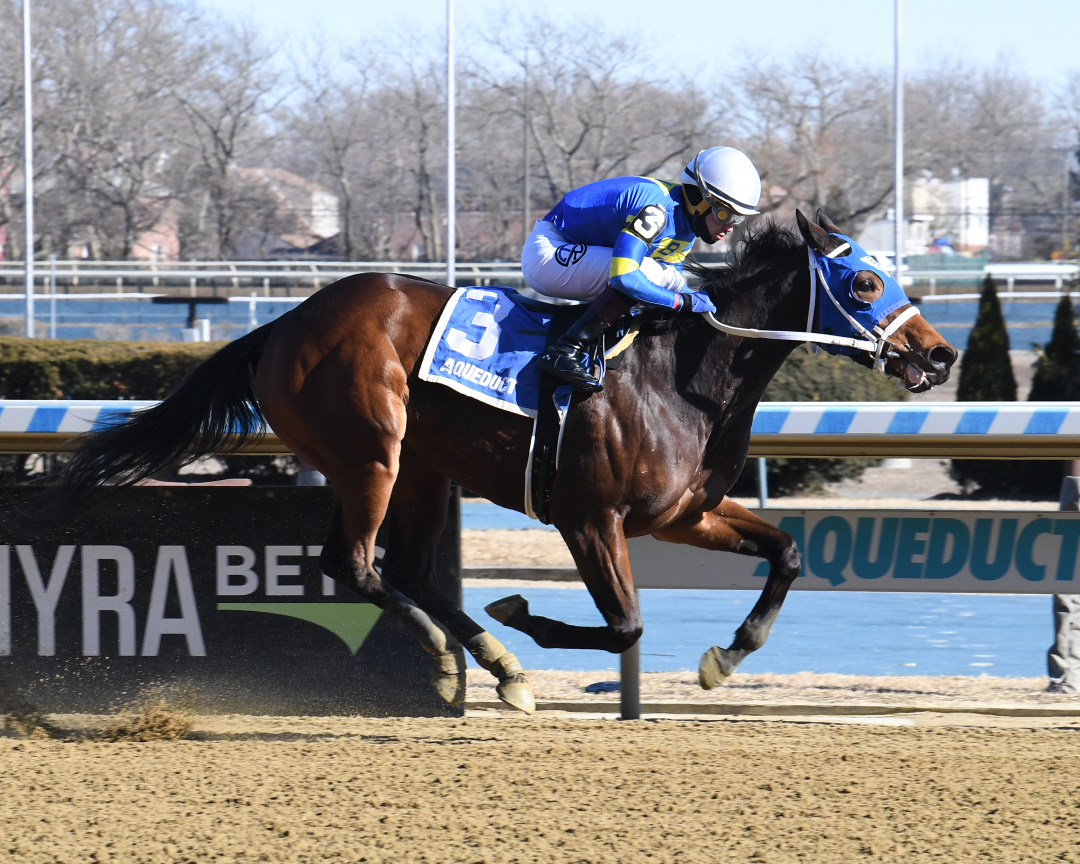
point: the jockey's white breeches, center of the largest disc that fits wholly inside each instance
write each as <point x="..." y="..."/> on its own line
<point x="558" y="267"/>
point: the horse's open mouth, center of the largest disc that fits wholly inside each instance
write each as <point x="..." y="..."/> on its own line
<point x="915" y="379"/>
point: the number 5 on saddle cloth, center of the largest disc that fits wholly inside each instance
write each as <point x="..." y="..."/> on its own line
<point x="485" y="346"/>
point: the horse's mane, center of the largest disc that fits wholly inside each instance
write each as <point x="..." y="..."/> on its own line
<point x="758" y="247"/>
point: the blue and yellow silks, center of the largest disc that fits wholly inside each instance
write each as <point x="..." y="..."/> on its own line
<point x="599" y="215"/>
<point x="839" y="273"/>
<point x="626" y="276"/>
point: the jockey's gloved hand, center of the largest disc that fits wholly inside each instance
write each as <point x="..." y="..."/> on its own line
<point x="696" y="301"/>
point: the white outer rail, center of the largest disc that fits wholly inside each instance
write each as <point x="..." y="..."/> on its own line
<point x="982" y="430"/>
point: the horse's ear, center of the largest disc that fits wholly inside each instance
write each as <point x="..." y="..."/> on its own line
<point x="825" y="222"/>
<point x="816" y="237"/>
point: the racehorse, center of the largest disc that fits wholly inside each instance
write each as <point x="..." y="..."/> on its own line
<point x="654" y="453"/>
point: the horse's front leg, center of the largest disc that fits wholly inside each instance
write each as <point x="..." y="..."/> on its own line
<point x="732" y="528"/>
<point x="599" y="550"/>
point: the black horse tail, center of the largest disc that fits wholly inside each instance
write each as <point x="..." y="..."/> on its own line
<point x="213" y="410"/>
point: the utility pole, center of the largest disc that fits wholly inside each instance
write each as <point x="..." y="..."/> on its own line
<point x="451" y="165"/>
<point x="28" y="169"/>
<point x="525" y="227"/>
<point x="898" y="156"/>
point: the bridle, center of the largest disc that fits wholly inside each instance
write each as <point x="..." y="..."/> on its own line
<point x="876" y="341"/>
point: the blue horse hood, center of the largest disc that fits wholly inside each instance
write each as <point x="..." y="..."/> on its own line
<point x="839" y="274"/>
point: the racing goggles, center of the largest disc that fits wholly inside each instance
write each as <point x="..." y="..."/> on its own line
<point x="725" y="214"/>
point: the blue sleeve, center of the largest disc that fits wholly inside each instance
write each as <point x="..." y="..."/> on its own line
<point x="631" y="247"/>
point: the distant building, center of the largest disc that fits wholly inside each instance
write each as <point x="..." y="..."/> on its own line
<point x="960" y="209"/>
<point x="311" y="209"/>
<point x="945" y="217"/>
<point x="160" y="242"/>
<point x="299" y="218"/>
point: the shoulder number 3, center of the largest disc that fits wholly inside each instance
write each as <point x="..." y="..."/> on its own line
<point x="649" y="221"/>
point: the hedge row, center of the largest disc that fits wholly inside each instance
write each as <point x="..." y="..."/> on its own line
<point x="94" y="369"/>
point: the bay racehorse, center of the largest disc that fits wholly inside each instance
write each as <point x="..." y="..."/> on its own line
<point x="654" y="453"/>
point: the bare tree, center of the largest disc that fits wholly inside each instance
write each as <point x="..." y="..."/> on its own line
<point x="592" y="113"/>
<point x="148" y="107"/>
<point x="819" y="133"/>
<point x="107" y="115"/>
<point x="329" y="126"/>
<point x="11" y="128"/>
<point x="230" y="88"/>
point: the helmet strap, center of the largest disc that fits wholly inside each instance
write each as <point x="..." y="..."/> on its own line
<point x="697" y="209"/>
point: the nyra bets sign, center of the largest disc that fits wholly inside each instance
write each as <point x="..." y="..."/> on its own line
<point x="948" y="551"/>
<point x="215" y="590"/>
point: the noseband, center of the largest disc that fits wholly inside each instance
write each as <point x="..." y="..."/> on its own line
<point x="875" y="342"/>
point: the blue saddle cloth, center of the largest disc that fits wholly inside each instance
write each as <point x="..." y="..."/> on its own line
<point x="486" y="345"/>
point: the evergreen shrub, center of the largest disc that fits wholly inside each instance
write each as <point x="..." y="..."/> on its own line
<point x="1057" y="378"/>
<point x="986" y="371"/>
<point x="986" y="376"/>
<point x="821" y="378"/>
<point x="1057" y="367"/>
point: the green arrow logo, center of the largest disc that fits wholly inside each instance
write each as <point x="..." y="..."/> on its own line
<point x="350" y="622"/>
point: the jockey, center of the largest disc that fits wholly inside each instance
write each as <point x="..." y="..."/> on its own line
<point x="624" y="240"/>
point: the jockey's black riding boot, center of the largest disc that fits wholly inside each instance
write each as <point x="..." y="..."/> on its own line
<point x="567" y="358"/>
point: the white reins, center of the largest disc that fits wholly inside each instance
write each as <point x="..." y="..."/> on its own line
<point x="874" y="343"/>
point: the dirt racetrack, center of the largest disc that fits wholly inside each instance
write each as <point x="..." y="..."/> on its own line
<point x="546" y="789"/>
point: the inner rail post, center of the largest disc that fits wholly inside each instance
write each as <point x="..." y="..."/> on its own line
<point x="630" y="681"/>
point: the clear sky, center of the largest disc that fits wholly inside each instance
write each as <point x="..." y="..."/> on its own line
<point x="1041" y="36"/>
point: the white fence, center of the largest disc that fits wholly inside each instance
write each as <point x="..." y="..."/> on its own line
<point x="238" y="275"/>
<point x="982" y="430"/>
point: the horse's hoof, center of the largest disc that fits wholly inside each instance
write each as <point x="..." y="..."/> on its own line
<point x="508" y="609"/>
<point x="517" y="692"/>
<point x="451" y="688"/>
<point x="716" y="665"/>
<point x="449" y="676"/>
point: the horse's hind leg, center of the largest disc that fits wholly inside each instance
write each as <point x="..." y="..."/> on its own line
<point x="732" y="528"/>
<point x="417" y="516"/>
<point x="348" y="555"/>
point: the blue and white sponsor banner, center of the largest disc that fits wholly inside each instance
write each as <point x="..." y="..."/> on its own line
<point x="485" y="345"/>
<point x="930" y="551"/>
<point x="917" y="418"/>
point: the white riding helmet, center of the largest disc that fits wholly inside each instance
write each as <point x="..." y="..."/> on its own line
<point x="725" y="176"/>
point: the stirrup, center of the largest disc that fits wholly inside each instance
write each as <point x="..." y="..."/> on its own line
<point x="568" y="368"/>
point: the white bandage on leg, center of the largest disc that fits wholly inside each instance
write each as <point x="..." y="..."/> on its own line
<point x="558" y="267"/>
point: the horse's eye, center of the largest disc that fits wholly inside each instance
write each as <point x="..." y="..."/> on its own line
<point x="868" y="289"/>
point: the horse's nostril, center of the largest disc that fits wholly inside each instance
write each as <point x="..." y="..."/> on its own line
<point x="942" y="355"/>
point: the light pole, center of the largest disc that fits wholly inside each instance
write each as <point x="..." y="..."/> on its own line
<point x="451" y="167"/>
<point x="525" y="226"/>
<point x="28" y="169"/>
<point x="898" y="156"/>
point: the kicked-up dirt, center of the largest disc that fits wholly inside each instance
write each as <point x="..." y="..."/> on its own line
<point x="544" y="789"/>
